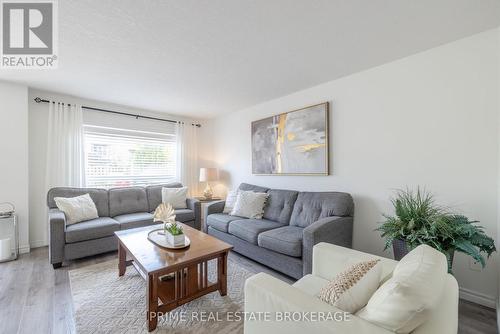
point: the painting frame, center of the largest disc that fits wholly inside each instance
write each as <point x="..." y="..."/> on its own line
<point x="326" y="171"/>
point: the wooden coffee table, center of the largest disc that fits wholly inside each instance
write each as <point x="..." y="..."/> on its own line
<point x="187" y="267"/>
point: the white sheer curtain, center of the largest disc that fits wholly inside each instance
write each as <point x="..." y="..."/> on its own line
<point x="65" y="146"/>
<point x="187" y="156"/>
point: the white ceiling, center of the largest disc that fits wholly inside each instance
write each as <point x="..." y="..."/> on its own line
<point x="204" y="58"/>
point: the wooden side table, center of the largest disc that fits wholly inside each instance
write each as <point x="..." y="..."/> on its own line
<point x="208" y="200"/>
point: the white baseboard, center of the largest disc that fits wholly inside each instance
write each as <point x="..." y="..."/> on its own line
<point x="39" y="243"/>
<point x="478" y="298"/>
<point x="24" y="249"/>
<point x="498" y="314"/>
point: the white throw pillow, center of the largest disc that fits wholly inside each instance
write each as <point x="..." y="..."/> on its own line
<point x="175" y="196"/>
<point x="77" y="209"/>
<point x="351" y="289"/>
<point x="404" y="301"/>
<point x="249" y="204"/>
<point x="230" y="201"/>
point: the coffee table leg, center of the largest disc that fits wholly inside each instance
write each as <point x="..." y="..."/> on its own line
<point x="122" y="256"/>
<point x="222" y="273"/>
<point x="152" y="301"/>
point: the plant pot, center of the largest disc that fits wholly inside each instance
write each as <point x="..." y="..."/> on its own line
<point x="399" y="248"/>
<point x="175" y="240"/>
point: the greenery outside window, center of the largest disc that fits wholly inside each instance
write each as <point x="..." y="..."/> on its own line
<point x="120" y="158"/>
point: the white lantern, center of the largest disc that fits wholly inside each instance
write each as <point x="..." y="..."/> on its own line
<point x="9" y="235"/>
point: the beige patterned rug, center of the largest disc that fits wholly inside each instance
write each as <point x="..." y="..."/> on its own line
<point x="106" y="303"/>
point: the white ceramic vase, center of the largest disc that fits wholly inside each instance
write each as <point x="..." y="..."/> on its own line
<point x="175" y="240"/>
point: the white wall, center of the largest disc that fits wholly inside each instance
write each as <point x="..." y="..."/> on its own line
<point x="428" y="119"/>
<point x="38" y="120"/>
<point x="14" y="153"/>
<point x="498" y="180"/>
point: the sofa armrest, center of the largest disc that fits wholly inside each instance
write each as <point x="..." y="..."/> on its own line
<point x="214" y="207"/>
<point x="195" y="205"/>
<point x="334" y="230"/>
<point x="57" y="227"/>
<point x="272" y="297"/>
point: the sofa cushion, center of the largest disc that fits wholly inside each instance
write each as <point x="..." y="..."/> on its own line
<point x="311" y="284"/>
<point x="251" y="187"/>
<point x="249" y="229"/>
<point x="184" y="215"/>
<point x="91" y="229"/>
<point x="77" y="209"/>
<point x="154" y="193"/>
<point x="285" y="240"/>
<point x="311" y="206"/>
<point x="249" y="204"/>
<point x="99" y="196"/>
<point x="175" y="196"/>
<point x="220" y="221"/>
<point x="407" y="299"/>
<point x="330" y="260"/>
<point x="133" y="220"/>
<point x="279" y="205"/>
<point x="127" y="200"/>
<point x="231" y="198"/>
<point x="351" y="289"/>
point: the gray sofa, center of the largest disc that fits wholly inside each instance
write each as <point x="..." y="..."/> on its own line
<point x="118" y="209"/>
<point x="293" y="223"/>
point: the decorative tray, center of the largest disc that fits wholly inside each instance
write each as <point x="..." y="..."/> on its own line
<point x="159" y="239"/>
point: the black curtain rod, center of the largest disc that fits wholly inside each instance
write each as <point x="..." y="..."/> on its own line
<point x="40" y="100"/>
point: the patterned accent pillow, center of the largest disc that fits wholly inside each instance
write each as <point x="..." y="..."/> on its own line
<point x="351" y="289"/>
<point x="230" y="201"/>
<point x="77" y="209"/>
<point x="249" y="204"/>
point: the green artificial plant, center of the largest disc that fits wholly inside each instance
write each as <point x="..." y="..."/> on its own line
<point x="419" y="220"/>
<point x="174" y="229"/>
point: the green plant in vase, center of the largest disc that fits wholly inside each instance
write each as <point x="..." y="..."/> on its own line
<point x="419" y="220"/>
<point x="174" y="234"/>
<point x="174" y="229"/>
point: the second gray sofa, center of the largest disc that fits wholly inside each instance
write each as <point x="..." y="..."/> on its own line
<point x="293" y="223"/>
<point x="118" y="209"/>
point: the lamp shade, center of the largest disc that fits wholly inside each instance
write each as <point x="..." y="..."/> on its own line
<point x="209" y="174"/>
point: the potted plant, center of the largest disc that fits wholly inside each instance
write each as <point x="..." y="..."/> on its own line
<point x="419" y="220"/>
<point x="173" y="232"/>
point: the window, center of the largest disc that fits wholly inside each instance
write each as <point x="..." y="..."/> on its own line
<point x="119" y="158"/>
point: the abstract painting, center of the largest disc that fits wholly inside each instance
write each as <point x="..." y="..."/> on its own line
<point x="295" y="142"/>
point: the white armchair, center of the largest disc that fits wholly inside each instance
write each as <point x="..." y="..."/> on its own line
<point x="265" y="294"/>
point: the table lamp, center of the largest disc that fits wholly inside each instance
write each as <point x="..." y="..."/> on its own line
<point x="208" y="175"/>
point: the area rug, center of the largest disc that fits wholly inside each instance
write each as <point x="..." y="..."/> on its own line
<point x="106" y="303"/>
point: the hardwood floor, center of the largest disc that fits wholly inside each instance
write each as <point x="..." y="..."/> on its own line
<point x="34" y="298"/>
